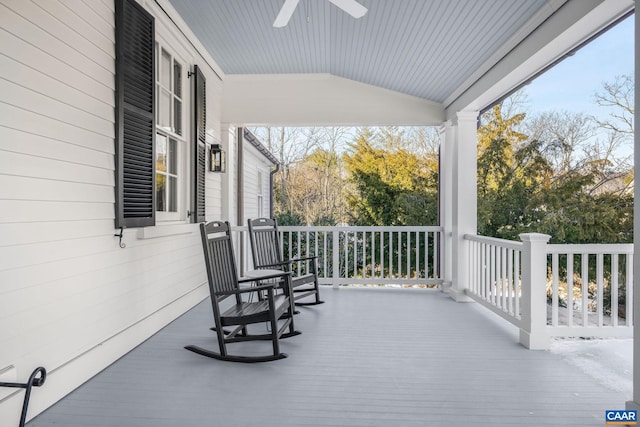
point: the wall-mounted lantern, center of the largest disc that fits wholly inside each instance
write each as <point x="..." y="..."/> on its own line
<point x="217" y="159"/>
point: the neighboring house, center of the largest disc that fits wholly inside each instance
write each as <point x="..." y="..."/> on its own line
<point x="258" y="165"/>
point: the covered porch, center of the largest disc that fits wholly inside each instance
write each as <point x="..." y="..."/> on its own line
<point x="78" y="294"/>
<point x="376" y="357"/>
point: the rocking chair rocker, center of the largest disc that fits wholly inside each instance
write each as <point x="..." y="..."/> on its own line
<point x="224" y="282"/>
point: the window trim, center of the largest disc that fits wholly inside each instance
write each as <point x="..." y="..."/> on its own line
<point x="183" y="149"/>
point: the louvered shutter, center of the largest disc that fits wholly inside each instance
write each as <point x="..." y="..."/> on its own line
<point x="199" y="145"/>
<point x="135" y="117"/>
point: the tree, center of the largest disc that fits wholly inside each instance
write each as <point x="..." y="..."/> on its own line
<point x="289" y="145"/>
<point x="315" y="189"/>
<point x="548" y="178"/>
<point x="618" y="96"/>
<point x="390" y="187"/>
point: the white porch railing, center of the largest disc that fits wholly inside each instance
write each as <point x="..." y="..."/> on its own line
<point x="525" y="282"/>
<point x="528" y="284"/>
<point x="495" y="273"/>
<point x="600" y="280"/>
<point x="361" y="255"/>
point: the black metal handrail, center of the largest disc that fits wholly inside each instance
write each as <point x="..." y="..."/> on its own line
<point x="34" y="381"/>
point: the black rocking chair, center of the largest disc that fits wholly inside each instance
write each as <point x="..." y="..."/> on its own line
<point x="267" y="254"/>
<point x="276" y="310"/>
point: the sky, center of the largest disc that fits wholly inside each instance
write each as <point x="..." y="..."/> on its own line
<point x="571" y="84"/>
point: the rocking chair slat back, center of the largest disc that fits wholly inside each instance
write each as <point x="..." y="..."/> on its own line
<point x="268" y="251"/>
<point x="221" y="265"/>
<point x="267" y="254"/>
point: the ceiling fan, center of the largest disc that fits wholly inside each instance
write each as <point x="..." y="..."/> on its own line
<point x="352" y="7"/>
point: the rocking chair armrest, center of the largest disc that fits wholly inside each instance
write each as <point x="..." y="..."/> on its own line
<point x="306" y="258"/>
<point x="265" y="277"/>
<point x="275" y="264"/>
<point x="247" y="290"/>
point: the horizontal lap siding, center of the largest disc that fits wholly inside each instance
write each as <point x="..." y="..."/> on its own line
<point x="66" y="287"/>
<point x="254" y="163"/>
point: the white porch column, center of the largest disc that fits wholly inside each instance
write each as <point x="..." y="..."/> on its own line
<point x="635" y="403"/>
<point x="445" y="193"/>
<point x="465" y="199"/>
<point x="229" y="203"/>
<point x="533" y="333"/>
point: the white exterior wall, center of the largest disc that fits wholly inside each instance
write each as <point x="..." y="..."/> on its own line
<point x="71" y="299"/>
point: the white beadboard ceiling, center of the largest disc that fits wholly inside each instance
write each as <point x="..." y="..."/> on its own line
<point x="430" y="49"/>
<point x="424" y="48"/>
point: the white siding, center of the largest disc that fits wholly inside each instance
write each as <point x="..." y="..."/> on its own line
<point x="71" y="299"/>
<point x="255" y="163"/>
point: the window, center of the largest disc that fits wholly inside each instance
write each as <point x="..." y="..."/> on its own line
<point x="170" y="145"/>
<point x="169" y="92"/>
<point x="260" y="196"/>
<point x="166" y="174"/>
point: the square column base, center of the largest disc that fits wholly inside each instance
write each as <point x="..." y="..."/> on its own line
<point x="459" y="296"/>
<point x="537" y="341"/>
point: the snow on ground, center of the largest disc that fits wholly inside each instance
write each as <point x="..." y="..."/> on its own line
<point x="608" y="361"/>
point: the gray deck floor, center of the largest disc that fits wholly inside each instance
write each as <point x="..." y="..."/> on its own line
<point x="367" y="357"/>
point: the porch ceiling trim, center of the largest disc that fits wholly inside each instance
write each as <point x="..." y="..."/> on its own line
<point x="320" y="100"/>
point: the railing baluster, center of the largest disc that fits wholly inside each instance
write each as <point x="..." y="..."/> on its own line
<point x="585" y="288"/>
<point x="570" y="290"/>
<point x="373" y="254"/>
<point x="408" y="254"/>
<point x="307" y="243"/>
<point x="433" y="256"/>
<point x="599" y="288"/>
<point x="391" y="254"/>
<point x="417" y="246"/>
<point x="510" y="284"/>
<point x="613" y="289"/>
<point x="493" y="276"/>
<point x="554" y="289"/>
<point x="629" y="291"/>
<point x="399" y="257"/>
<point x="347" y="253"/>
<point x="323" y="257"/>
<point x="483" y="270"/>
<point x="518" y="280"/>
<point x="503" y="274"/>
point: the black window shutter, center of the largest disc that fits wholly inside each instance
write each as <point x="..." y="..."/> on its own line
<point x="135" y="116"/>
<point x="199" y="145"/>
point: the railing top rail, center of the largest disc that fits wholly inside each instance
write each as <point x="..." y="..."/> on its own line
<point x="406" y="228"/>
<point x="503" y="243"/>
<point x="591" y="248"/>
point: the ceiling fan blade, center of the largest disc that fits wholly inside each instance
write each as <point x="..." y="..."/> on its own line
<point x="285" y="13"/>
<point x="352" y="7"/>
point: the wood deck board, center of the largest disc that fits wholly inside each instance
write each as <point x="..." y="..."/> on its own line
<point x="367" y="357"/>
